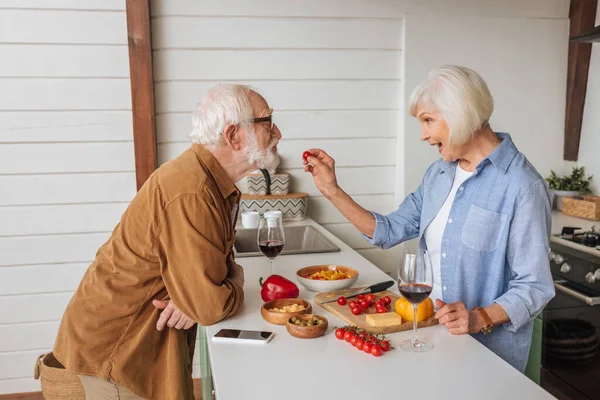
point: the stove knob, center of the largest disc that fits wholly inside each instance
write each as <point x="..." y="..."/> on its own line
<point x="589" y="278"/>
<point x="597" y="274"/>
<point x="565" y="269"/>
<point x="551" y="255"/>
<point x="559" y="259"/>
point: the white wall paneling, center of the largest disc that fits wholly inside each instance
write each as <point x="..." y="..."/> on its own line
<point x="267" y="64"/>
<point x="65" y="126"/>
<point x="66" y="157"/>
<point x="62" y="27"/>
<point x="354" y="180"/>
<point x="45" y="220"/>
<point x="29" y="336"/>
<point x="73" y="61"/>
<point x="318" y="124"/>
<point x="40" y="249"/>
<point x="58" y="94"/>
<point x="33" y="308"/>
<point x="275" y="33"/>
<point x="307" y="95"/>
<point x="362" y="8"/>
<point x="66" y="163"/>
<point x="49" y="278"/>
<point x="91" y="5"/>
<point x="373" y="152"/>
<point x="66" y="188"/>
<point x="320" y="209"/>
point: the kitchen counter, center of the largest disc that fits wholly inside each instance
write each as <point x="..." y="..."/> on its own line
<point x="458" y="367"/>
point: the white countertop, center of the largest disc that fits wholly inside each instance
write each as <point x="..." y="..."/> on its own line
<point x="288" y="368"/>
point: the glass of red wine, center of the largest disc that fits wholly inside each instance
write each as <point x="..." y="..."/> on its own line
<point x="271" y="238"/>
<point x="415" y="282"/>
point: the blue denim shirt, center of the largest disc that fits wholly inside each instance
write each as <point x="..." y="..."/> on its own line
<point x="496" y="246"/>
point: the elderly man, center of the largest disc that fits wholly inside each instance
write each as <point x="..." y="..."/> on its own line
<point x="171" y="251"/>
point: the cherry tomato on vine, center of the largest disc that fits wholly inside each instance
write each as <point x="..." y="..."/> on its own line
<point x="367" y="347"/>
<point x="385" y="345"/>
<point x="376" y="350"/>
<point x="348" y="336"/>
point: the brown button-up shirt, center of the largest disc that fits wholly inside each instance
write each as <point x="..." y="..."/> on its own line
<point x="173" y="242"/>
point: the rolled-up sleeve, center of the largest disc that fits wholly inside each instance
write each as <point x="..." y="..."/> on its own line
<point x="531" y="286"/>
<point x="402" y="224"/>
<point x="194" y="261"/>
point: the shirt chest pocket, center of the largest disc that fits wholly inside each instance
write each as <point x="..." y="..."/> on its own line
<point x="483" y="229"/>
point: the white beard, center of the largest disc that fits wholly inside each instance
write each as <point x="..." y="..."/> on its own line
<point x="263" y="159"/>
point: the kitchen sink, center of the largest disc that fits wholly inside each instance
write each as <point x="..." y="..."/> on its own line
<point x="298" y="240"/>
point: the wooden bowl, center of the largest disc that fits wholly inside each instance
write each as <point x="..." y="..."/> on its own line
<point x="281" y="318"/>
<point x="324" y="285"/>
<point x="307" y="332"/>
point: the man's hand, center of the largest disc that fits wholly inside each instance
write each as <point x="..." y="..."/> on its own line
<point x="235" y="273"/>
<point x="171" y="316"/>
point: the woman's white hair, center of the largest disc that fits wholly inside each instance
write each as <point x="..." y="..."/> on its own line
<point x="460" y="95"/>
<point x="224" y="104"/>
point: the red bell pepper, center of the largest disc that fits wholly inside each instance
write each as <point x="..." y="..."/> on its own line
<point x="277" y="287"/>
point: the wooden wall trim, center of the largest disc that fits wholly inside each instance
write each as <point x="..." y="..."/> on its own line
<point x="142" y="88"/>
<point x="582" y="15"/>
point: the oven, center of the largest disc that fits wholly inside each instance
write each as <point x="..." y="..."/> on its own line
<point x="571" y="323"/>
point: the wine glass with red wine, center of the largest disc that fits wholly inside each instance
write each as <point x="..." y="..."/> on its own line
<point x="415" y="282"/>
<point x="271" y="238"/>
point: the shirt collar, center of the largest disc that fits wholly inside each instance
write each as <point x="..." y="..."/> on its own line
<point x="224" y="182"/>
<point x="504" y="153"/>
<point x="501" y="157"/>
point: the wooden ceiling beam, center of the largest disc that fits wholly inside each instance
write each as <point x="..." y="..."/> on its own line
<point x="142" y="88"/>
<point x="582" y="15"/>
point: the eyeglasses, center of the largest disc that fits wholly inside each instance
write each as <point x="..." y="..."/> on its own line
<point x="265" y="119"/>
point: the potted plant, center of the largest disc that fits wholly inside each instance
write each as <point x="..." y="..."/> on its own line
<point x="573" y="185"/>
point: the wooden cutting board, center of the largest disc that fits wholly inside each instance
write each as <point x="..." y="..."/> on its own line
<point x="344" y="313"/>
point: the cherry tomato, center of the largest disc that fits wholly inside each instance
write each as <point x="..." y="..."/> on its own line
<point x="370" y="298"/>
<point x="306" y="154"/>
<point x="379" y="303"/>
<point x="387" y="300"/>
<point x="342" y="301"/>
<point x="356" y="311"/>
<point x="348" y="336"/>
<point x="364" y="303"/>
<point x="354" y="304"/>
<point x="367" y="347"/>
<point x="385" y="345"/>
<point x="376" y="350"/>
<point x="353" y="341"/>
<point x="381" y="310"/>
<point x="360" y="297"/>
<point x="359" y="344"/>
<point x="339" y="333"/>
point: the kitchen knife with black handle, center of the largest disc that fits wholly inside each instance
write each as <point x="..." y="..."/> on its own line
<point x="378" y="287"/>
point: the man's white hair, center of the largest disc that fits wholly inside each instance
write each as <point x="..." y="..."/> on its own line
<point x="460" y="95"/>
<point x="224" y="104"/>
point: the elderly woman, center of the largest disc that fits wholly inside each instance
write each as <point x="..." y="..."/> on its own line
<point x="482" y="211"/>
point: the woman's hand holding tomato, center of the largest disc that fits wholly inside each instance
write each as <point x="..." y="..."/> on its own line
<point x="322" y="168"/>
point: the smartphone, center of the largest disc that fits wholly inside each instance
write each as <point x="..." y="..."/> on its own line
<point x="238" y="335"/>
